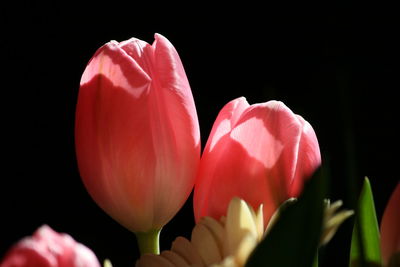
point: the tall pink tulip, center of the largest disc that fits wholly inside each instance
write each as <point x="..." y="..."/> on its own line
<point x="261" y="153"/>
<point x="390" y="228"/>
<point x="47" y="248"/>
<point x="137" y="133"/>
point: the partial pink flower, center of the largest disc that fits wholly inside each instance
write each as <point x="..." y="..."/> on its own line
<point x="47" y="248"/>
<point x="261" y="153"/>
<point x="390" y="227"/>
<point x="137" y="133"/>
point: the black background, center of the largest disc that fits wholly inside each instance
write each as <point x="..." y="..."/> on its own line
<point x="335" y="65"/>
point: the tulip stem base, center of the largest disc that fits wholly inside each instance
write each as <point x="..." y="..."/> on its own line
<point x="315" y="264"/>
<point x="149" y="242"/>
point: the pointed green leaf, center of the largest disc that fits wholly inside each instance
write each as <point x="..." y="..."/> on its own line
<point x="365" y="242"/>
<point x="294" y="239"/>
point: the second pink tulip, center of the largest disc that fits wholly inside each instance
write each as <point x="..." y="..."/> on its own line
<point x="261" y="153"/>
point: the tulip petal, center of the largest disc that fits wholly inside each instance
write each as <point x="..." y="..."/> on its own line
<point x="116" y="65"/>
<point x="176" y="134"/>
<point x="48" y="248"/>
<point x="227" y="117"/>
<point x="29" y="252"/>
<point x="140" y="52"/>
<point x="270" y="132"/>
<point x="175" y="88"/>
<point x="105" y="130"/>
<point x="308" y="157"/>
<point x="225" y="121"/>
<point x="83" y="257"/>
<point x="137" y="133"/>
<point x="112" y="142"/>
<point x="260" y="154"/>
<point x="390" y="227"/>
<point x="294" y="238"/>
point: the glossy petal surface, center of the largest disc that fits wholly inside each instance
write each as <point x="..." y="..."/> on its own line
<point x="261" y="153"/>
<point x="137" y="133"/>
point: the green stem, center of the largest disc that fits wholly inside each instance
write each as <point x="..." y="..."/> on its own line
<point x="315" y="264"/>
<point x="149" y="242"/>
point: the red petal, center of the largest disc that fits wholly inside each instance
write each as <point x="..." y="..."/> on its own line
<point x="390" y="227"/>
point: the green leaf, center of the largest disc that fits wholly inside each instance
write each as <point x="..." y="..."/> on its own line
<point x="365" y="242"/>
<point x="294" y="239"/>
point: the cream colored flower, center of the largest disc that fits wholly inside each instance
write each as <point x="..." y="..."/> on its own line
<point x="107" y="263"/>
<point x="230" y="241"/>
<point x="333" y="219"/>
<point x="226" y="243"/>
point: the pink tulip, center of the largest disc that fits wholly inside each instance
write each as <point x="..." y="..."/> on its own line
<point x="261" y="153"/>
<point x="390" y="227"/>
<point x="137" y="133"/>
<point x="47" y="248"/>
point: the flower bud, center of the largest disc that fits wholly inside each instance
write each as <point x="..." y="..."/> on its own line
<point x="260" y="153"/>
<point x="137" y="133"/>
<point x="47" y="248"/>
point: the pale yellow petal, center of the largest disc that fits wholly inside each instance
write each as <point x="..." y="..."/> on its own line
<point x="152" y="260"/>
<point x="253" y="213"/>
<point x="107" y="263"/>
<point x="176" y="259"/>
<point x="338" y="218"/>
<point x="336" y="205"/>
<point x="227" y="262"/>
<point x="258" y="219"/>
<point x="245" y="248"/>
<point x="225" y="243"/>
<point x="272" y="221"/>
<point x="330" y="209"/>
<point x="332" y="225"/>
<point x="184" y="248"/>
<point x="216" y="229"/>
<point x="239" y="222"/>
<point x="333" y="219"/>
<point x="205" y="243"/>
<point x="260" y="222"/>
